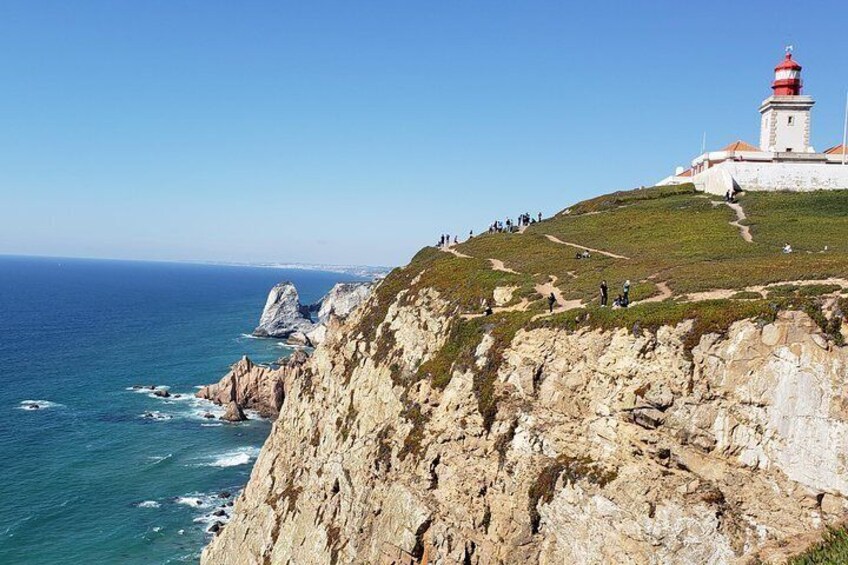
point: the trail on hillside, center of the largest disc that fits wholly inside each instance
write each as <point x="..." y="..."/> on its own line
<point x="598" y="251"/>
<point x="561" y="303"/>
<point x="665" y="293"/>
<point x="498" y="265"/>
<point x="744" y="231"/>
<point x="722" y="293"/>
<point x="453" y="251"/>
<point x="519" y="307"/>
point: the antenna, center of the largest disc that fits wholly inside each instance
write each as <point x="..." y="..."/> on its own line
<point x="790" y="48"/>
<point x="704" y="143"/>
<point x="845" y="130"/>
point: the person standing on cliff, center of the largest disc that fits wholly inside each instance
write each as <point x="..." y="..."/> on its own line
<point x="627" y="292"/>
<point x="604" y="294"/>
<point x="551" y="302"/>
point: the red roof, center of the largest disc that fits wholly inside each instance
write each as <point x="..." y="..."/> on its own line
<point x="788" y="63"/>
<point x="739" y="145"/>
<point x="686" y="173"/>
<point x="835" y="150"/>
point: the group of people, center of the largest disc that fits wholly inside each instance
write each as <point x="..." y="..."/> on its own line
<point x="729" y="196"/>
<point x="445" y="240"/>
<point x="621" y="301"/>
<point x="498" y="226"/>
<point x="582" y="255"/>
<point x="508" y="226"/>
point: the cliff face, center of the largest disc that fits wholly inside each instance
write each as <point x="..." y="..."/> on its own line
<point x="553" y="446"/>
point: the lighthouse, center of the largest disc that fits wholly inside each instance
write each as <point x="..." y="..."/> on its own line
<point x="785" y="121"/>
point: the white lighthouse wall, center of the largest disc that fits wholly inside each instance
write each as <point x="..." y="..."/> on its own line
<point x="797" y="177"/>
<point x="786" y="130"/>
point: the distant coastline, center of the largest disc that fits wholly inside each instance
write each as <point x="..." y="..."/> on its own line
<point x="364" y="271"/>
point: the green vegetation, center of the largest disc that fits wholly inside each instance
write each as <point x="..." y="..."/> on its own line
<point x="680" y="237"/>
<point x="832" y="550"/>
<point x="808" y="221"/>
<point x="746" y="295"/>
<point x="628" y="197"/>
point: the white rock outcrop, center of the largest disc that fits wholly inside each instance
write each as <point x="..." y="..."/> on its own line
<point x="342" y="299"/>
<point x="283" y="314"/>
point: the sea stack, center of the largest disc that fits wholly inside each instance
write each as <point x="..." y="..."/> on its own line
<point x="283" y="314"/>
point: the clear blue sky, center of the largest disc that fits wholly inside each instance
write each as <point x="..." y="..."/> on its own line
<point x="357" y="132"/>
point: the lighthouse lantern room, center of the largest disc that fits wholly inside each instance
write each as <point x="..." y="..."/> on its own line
<point x="785" y="122"/>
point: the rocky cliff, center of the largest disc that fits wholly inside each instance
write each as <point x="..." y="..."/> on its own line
<point x="546" y="443"/>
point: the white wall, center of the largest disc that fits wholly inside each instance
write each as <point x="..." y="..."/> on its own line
<point x="800" y="177"/>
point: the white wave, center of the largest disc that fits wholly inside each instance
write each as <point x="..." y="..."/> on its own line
<point x="218" y="425"/>
<point x="148" y="504"/>
<point x="241" y="456"/>
<point x="38" y="405"/>
<point x="155" y="415"/>
<point x="156" y="459"/>
<point x="250" y="336"/>
<point x="194" y="500"/>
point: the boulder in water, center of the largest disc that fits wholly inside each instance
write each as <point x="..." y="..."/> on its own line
<point x="161" y="393"/>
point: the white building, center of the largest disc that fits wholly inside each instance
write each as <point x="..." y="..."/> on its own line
<point x="785" y="159"/>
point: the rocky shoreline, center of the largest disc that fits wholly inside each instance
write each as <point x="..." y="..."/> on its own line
<point x="262" y="388"/>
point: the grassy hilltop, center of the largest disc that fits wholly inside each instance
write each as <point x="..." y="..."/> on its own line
<point x="678" y="247"/>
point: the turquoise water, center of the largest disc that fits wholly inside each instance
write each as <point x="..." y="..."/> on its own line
<point x="87" y="478"/>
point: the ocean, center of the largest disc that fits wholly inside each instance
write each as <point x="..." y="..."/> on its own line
<point x="100" y="473"/>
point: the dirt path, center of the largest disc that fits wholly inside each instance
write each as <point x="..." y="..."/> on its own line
<point x="720" y="293"/>
<point x="453" y="251"/>
<point x="520" y="307"/>
<point x="744" y="231"/>
<point x="498" y="265"/>
<point x="598" y="251"/>
<point x="665" y="293"/>
<point x="562" y="304"/>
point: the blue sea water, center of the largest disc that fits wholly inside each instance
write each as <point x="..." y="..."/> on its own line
<point x="86" y="478"/>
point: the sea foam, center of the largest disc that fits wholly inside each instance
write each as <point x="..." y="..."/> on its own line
<point x="38" y="405"/>
<point x="241" y="456"/>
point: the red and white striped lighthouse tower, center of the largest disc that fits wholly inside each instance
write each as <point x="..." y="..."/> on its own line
<point x="785" y="115"/>
<point x="787" y="77"/>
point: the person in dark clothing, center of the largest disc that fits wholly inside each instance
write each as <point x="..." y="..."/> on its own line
<point x="551" y="302"/>
<point x="604" y="293"/>
<point x="487" y="310"/>
<point x="626" y="292"/>
<point x="540" y="216"/>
